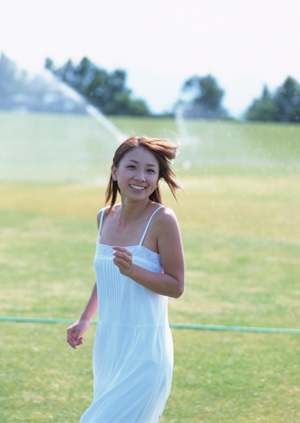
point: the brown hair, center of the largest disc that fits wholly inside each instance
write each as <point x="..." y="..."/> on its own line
<point x="163" y="150"/>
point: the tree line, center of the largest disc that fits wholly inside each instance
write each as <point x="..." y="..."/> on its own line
<point x="281" y="106"/>
<point x="104" y="90"/>
<point x="201" y="96"/>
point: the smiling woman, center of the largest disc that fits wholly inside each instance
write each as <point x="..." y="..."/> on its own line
<point x="137" y="173"/>
<point x="161" y="153"/>
<point x="139" y="264"/>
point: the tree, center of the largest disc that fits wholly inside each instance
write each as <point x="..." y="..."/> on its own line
<point x="9" y="82"/>
<point x="205" y="98"/>
<point x="287" y="101"/>
<point x="262" y="109"/>
<point x="104" y="90"/>
<point x="282" y="106"/>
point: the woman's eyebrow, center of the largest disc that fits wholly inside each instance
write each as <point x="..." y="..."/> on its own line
<point x="135" y="161"/>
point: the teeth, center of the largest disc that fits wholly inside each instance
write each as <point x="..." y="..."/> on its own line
<point x="136" y="187"/>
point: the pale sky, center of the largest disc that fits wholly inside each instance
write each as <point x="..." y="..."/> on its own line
<point x="161" y="43"/>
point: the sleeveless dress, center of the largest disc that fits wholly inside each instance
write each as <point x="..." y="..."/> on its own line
<point x="133" y="348"/>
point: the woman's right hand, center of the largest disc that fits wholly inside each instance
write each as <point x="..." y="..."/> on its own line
<point x="75" y="332"/>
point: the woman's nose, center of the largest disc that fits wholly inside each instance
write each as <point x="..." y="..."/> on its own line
<point x="140" y="175"/>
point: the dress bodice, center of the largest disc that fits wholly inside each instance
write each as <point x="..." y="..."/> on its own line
<point x="121" y="300"/>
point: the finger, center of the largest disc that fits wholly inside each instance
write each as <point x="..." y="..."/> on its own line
<point x="119" y="259"/>
<point x="122" y="250"/>
<point x="76" y="343"/>
<point x="121" y="264"/>
<point x="122" y="258"/>
<point x="72" y="343"/>
<point x="116" y="247"/>
<point x="72" y="337"/>
<point x="122" y="268"/>
<point x="123" y="253"/>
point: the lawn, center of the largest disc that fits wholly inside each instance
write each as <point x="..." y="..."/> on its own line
<point x="239" y="213"/>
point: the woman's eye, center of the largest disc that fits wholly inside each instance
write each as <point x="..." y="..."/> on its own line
<point x="151" y="170"/>
<point x="131" y="167"/>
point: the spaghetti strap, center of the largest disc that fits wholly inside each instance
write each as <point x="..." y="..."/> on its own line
<point x="149" y="221"/>
<point x="101" y="221"/>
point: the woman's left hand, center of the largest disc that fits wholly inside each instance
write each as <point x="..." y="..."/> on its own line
<point x="123" y="260"/>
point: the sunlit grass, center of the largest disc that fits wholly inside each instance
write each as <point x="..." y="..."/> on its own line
<point x="218" y="377"/>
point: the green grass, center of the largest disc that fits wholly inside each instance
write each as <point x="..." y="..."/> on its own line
<point x="239" y="214"/>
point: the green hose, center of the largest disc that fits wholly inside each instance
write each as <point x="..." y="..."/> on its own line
<point x="173" y="325"/>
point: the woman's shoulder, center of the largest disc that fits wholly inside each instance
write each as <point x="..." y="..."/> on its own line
<point x="162" y="210"/>
<point x="164" y="216"/>
<point x="105" y="211"/>
<point x="100" y="212"/>
<point x="166" y="230"/>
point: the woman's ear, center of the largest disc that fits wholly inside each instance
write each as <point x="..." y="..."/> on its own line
<point x="114" y="173"/>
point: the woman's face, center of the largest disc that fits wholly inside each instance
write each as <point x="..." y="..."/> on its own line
<point x="137" y="174"/>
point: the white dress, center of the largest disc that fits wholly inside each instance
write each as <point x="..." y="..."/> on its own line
<point x="133" y="349"/>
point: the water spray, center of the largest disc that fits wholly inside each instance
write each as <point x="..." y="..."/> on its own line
<point x="88" y="107"/>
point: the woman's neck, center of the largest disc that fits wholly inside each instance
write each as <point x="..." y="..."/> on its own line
<point x="132" y="211"/>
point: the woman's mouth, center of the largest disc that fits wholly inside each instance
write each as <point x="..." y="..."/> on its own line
<point x="140" y="188"/>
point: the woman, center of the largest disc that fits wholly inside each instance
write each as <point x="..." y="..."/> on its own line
<point x="139" y="264"/>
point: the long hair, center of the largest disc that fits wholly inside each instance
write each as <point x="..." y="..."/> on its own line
<point x="163" y="150"/>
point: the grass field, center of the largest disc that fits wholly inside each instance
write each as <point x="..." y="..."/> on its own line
<point x="239" y="213"/>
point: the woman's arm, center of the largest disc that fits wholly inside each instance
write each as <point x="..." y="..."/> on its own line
<point x="76" y="330"/>
<point x="91" y="307"/>
<point x="171" y="282"/>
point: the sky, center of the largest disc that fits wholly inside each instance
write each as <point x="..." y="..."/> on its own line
<point x="244" y="44"/>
